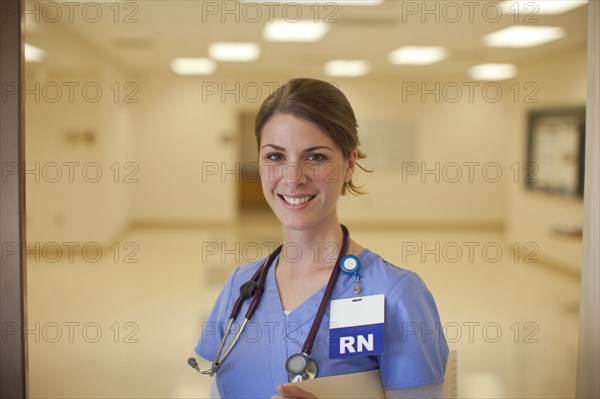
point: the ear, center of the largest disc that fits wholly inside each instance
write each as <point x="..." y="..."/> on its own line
<point x="351" y="165"/>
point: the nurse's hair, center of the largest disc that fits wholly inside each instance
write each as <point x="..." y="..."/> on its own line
<point x="320" y="103"/>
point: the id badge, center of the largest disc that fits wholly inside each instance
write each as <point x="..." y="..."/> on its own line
<point x="356" y="326"/>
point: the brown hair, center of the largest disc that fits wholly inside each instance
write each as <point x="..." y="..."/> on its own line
<point x="321" y="103"/>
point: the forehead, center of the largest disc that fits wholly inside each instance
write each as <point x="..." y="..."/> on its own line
<point x="290" y="130"/>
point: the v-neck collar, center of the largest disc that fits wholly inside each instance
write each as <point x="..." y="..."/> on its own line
<point x="307" y="310"/>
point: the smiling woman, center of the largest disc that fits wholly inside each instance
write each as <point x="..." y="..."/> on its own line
<point x="302" y="181"/>
<point x="320" y="103"/>
<point x="313" y="320"/>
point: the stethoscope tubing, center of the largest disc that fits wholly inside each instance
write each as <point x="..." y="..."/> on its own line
<point x="259" y="278"/>
<point x="310" y="338"/>
<point x="235" y="340"/>
<point x="216" y="361"/>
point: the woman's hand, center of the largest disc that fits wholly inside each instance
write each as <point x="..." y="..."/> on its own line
<point x="292" y="391"/>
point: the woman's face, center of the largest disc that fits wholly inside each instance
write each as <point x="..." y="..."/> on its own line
<point x="302" y="172"/>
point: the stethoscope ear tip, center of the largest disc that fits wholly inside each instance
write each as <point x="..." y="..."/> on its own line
<point x="194" y="364"/>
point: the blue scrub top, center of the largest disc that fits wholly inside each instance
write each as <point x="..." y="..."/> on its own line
<point x="415" y="349"/>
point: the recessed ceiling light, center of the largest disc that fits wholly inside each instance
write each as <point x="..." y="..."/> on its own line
<point x="34" y="54"/>
<point x="301" y="31"/>
<point x="416" y="55"/>
<point x="347" y="68"/>
<point x="193" y="66"/>
<point x="532" y="7"/>
<point x="493" y="71"/>
<point x="523" y="36"/>
<point x="242" y="52"/>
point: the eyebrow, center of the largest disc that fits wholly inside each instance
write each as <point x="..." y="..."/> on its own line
<point x="309" y="149"/>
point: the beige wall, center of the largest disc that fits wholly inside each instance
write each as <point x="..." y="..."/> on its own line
<point x="80" y="159"/>
<point x="180" y="147"/>
<point x="78" y="145"/>
<point x="454" y="137"/>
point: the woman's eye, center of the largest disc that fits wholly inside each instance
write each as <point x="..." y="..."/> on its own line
<point x="274" y="157"/>
<point x="316" y="157"/>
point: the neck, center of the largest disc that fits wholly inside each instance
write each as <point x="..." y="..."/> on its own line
<point x="311" y="250"/>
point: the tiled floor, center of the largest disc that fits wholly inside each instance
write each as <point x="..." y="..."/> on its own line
<point x="119" y="328"/>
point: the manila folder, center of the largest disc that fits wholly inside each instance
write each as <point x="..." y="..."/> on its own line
<point x="364" y="385"/>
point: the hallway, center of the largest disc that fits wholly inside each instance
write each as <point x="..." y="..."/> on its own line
<point x="137" y="319"/>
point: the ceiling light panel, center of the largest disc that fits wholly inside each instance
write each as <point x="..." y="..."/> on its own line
<point x="193" y="66"/>
<point x="415" y="55"/>
<point x="347" y="68"/>
<point x="493" y="72"/>
<point x="301" y="31"/>
<point x="240" y="52"/>
<point x="524" y="36"/>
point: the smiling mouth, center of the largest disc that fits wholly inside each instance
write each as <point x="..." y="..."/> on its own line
<point x="296" y="201"/>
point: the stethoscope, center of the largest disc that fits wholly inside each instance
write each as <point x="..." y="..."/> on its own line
<point x="299" y="366"/>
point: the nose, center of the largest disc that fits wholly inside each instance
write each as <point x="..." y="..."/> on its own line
<point x="294" y="174"/>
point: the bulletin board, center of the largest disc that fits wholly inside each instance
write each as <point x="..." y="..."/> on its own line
<point x="556" y="151"/>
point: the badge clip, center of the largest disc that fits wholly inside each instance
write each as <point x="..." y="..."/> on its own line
<point x="351" y="265"/>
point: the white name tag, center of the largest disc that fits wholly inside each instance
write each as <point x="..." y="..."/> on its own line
<point x="356" y="326"/>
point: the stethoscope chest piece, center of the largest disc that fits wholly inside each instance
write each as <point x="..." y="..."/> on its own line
<point x="300" y="367"/>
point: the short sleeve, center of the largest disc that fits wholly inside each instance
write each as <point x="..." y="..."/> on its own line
<point x="415" y="351"/>
<point x="213" y="329"/>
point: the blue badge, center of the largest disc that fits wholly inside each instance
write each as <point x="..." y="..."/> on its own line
<point x="357" y="327"/>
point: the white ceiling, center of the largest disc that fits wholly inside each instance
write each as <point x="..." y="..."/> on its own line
<point x="148" y="34"/>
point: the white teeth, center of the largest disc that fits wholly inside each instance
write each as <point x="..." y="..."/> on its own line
<point x="297" y="201"/>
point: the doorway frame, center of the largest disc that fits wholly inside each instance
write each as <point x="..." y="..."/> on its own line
<point x="13" y="281"/>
